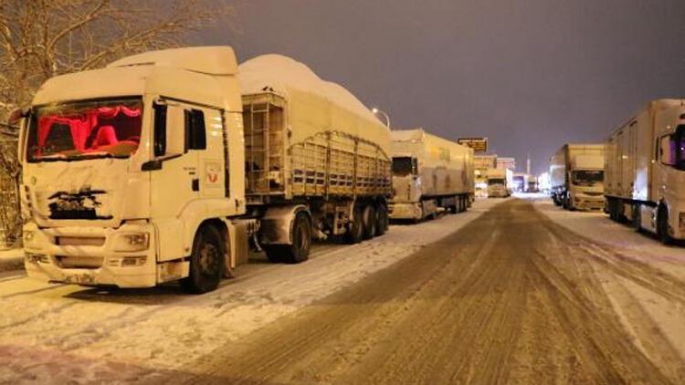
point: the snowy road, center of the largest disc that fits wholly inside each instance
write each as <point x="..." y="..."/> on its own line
<point x="503" y="293"/>
<point x="62" y="333"/>
<point x="511" y="298"/>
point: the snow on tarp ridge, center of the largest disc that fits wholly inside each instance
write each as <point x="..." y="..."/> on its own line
<point x="281" y="74"/>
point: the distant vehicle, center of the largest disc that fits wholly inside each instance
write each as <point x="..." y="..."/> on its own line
<point x="519" y="184"/>
<point x="169" y="165"/>
<point x="531" y="184"/>
<point x="428" y="173"/>
<point x="499" y="182"/>
<point x="645" y="170"/>
<point x="576" y="176"/>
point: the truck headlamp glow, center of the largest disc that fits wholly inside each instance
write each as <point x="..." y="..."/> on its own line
<point x="132" y="242"/>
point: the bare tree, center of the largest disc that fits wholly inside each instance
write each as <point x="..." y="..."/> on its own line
<point x="43" y="38"/>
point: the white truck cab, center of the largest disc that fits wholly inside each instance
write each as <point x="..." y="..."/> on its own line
<point x="122" y="165"/>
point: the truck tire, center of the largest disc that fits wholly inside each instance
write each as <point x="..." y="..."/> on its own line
<point x="382" y="221"/>
<point x="369" y="219"/>
<point x="206" y="261"/>
<point x="355" y="228"/>
<point x="662" y="226"/>
<point x="298" y="251"/>
<point x="637" y="221"/>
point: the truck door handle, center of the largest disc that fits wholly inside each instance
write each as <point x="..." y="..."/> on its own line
<point x="195" y="184"/>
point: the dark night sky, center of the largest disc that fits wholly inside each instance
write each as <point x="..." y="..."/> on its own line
<point x="530" y="75"/>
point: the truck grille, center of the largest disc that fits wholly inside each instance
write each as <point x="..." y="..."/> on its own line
<point x="72" y="262"/>
<point x="80" y="241"/>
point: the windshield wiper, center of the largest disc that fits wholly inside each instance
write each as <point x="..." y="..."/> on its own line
<point x="64" y="158"/>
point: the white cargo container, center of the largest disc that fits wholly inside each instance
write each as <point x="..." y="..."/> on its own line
<point x="645" y="170"/>
<point x="576" y="176"/>
<point x="500" y="182"/>
<point x="168" y="165"/>
<point x="429" y="172"/>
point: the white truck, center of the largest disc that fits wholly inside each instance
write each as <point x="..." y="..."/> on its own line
<point x="645" y="170"/>
<point x="576" y="177"/>
<point x="170" y="165"/>
<point x="500" y="182"/>
<point x="428" y="173"/>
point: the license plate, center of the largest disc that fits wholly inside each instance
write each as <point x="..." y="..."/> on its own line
<point x="79" y="278"/>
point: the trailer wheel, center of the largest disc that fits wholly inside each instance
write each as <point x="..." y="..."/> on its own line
<point x="637" y="225"/>
<point x="296" y="252"/>
<point x="382" y="221"/>
<point x="206" y="261"/>
<point x="355" y="228"/>
<point x="369" y="219"/>
<point x="662" y="226"/>
<point x="302" y="240"/>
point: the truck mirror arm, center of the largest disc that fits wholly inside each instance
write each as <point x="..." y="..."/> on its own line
<point x="156" y="164"/>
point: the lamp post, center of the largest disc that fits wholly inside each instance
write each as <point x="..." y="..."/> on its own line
<point x="376" y="111"/>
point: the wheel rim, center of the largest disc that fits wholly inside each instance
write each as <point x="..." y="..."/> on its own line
<point x="208" y="259"/>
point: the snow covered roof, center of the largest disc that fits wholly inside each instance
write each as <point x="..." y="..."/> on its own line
<point x="206" y="60"/>
<point x="281" y="74"/>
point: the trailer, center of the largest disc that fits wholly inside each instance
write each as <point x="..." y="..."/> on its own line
<point x="172" y="165"/>
<point x="576" y="177"/>
<point x="429" y="173"/>
<point x="645" y="170"/>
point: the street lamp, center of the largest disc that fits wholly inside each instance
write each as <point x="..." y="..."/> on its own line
<point x="376" y="111"/>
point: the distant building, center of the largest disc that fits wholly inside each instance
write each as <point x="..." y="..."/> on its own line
<point x="506" y="163"/>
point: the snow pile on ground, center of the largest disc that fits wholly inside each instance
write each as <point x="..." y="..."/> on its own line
<point x="621" y="238"/>
<point x="615" y="245"/>
<point x="11" y="259"/>
<point x="62" y="332"/>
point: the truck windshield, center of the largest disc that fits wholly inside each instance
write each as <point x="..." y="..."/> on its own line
<point x="587" y="177"/>
<point x="85" y="130"/>
<point x="495" y="181"/>
<point x="402" y="166"/>
<point x="680" y="147"/>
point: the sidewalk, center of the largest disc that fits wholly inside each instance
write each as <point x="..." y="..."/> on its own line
<point x="12" y="259"/>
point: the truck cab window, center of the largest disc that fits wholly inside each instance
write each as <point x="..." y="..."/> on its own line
<point x="196" y="135"/>
<point x="160" y="129"/>
<point x="403" y="166"/>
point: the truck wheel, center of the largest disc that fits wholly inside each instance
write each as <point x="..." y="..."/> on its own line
<point x="662" y="227"/>
<point x="637" y="225"/>
<point x="382" y="222"/>
<point x="206" y="261"/>
<point x="355" y="228"/>
<point x="298" y="251"/>
<point x="369" y="219"/>
<point x="302" y="240"/>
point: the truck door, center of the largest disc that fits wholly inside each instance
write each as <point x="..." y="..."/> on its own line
<point x="174" y="182"/>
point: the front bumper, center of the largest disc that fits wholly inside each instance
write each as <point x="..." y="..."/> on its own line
<point x="400" y="211"/>
<point x="90" y="264"/>
<point x="588" y="203"/>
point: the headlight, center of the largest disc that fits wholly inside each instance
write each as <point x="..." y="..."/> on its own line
<point x="132" y="242"/>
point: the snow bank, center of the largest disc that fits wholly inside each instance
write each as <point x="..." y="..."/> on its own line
<point x="12" y="259"/>
<point x="120" y="334"/>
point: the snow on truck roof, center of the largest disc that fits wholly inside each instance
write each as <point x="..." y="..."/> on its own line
<point x="281" y="74"/>
<point x="206" y="60"/>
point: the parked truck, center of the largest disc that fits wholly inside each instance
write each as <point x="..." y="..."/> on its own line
<point x="531" y="184"/>
<point x="645" y="170"/>
<point x="170" y="165"/>
<point x="429" y="173"/>
<point x="500" y="182"/>
<point x="576" y="176"/>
